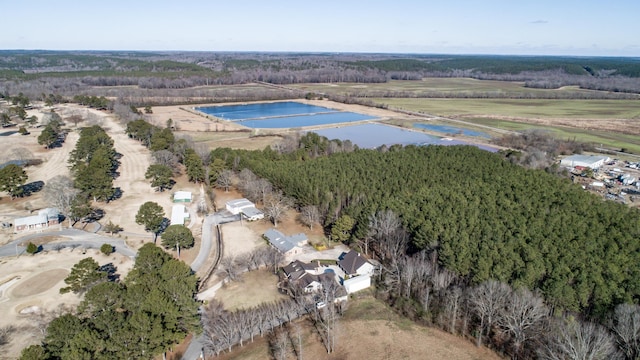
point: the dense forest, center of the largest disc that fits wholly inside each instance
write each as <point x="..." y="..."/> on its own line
<point x="485" y="218"/>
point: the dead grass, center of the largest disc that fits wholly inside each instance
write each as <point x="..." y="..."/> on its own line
<point x="370" y="331"/>
<point x="256" y="287"/>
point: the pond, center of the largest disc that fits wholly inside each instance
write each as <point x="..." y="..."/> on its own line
<point x="288" y="114"/>
<point x="371" y="136"/>
<point x="446" y="129"/>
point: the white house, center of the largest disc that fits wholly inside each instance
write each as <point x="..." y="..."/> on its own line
<point x="182" y="196"/>
<point x="178" y="214"/>
<point x="244" y="207"/>
<point x="590" y="161"/>
<point x="357" y="283"/>
<point x="44" y="219"/>
<point x="352" y="263"/>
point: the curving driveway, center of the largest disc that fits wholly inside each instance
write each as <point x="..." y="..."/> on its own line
<point x="77" y="237"/>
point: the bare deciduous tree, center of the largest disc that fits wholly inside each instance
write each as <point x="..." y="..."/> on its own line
<point x="225" y="179"/>
<point x="279" y="344"/>
<point x="486" y="301"/>
<point x="626" y="328"/>
<point x="523" y="313"/>
<point x="60" y="193"/>
<point x="575" y="340"/>
<point x="276" y="206"/>
<point x="165" y="157"/>
<point x="309" y="215"/>
<point x="231" y="268"/>
<point x="382" y="224"/>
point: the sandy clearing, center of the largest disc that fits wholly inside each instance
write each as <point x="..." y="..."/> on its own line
<point x="39" y="283"/>
<point x="37" y="289"/>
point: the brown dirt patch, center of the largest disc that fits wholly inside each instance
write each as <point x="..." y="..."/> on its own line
<point x="39" y="283"/>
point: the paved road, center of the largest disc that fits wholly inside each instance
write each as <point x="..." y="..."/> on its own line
<point x="77" y="237"/>
<point x="210" y="221"/>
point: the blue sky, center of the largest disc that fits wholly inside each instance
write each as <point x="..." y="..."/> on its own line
<point x="541" y="27"/>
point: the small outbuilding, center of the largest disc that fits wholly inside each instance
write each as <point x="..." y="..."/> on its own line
<point x="357" y="283"/>
<point x="182" y="197"/>
<point x="178" y="214"/>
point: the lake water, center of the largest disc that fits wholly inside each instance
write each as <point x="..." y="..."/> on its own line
<point x="371" y="136"/>
<point x="446" y="129"/>
<point x="288" y="114"/>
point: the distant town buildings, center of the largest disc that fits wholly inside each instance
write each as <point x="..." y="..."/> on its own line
<point x="590" y="161"/>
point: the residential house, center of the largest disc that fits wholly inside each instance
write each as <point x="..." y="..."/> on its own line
<point x="244" y="207"/>
<point x="44" y="219"/>
<point x="352" y="263"/>
<point x="287" y="245"/>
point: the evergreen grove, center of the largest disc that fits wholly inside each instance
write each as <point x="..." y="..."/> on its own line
<point x="484" y="217"/>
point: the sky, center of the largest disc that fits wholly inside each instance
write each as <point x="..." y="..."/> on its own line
<point x="514" y="27"/>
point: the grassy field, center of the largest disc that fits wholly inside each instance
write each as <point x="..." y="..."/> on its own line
<point x="442" y="85"/>
<point x="573" y="109"/>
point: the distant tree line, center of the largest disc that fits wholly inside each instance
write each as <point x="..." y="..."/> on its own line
<point x="156" y="79"/>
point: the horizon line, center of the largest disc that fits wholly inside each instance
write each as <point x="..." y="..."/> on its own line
<point x="322" y="52"/>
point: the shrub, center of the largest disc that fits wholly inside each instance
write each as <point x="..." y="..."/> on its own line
<point x="32" y="248"/>
<point x="106" y="249"/>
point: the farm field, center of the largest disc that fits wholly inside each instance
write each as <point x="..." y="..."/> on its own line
<point x="523" y="108"/>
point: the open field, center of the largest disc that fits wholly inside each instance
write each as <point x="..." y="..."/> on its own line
<point x="371" y="330"/>
<point x="524" y="108"/>
<point x="441" y="85"/>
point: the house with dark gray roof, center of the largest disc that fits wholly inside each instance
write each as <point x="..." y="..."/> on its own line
<point x="352" y="263"/>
